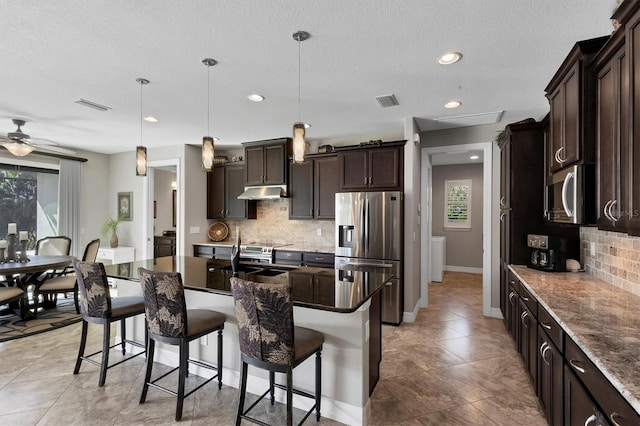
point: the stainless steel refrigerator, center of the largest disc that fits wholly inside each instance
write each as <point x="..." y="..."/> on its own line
<point x="369" y="229"/>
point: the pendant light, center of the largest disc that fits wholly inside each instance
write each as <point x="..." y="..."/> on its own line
<point x="141" y="151"/>
<point x="207" y="141"/>
<point x="299" y="144"/>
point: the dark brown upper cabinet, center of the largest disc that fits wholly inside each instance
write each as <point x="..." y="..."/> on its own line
<point x="267" y="162"/>
<point x="372" y="168"/>
<point x="571" y="95"/>
<point x="224" y="184"/>
<point x="313" y="186"/>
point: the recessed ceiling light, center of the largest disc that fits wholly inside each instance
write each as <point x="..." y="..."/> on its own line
<point x="255" y="97"/>
<point x="151" y="119"/>
<point x="216" y="139"/>
<point x="452" y="104"/>
<point x="474" y="157"/>
<point x="449" y="58"/>
<point x="307" y="125"/>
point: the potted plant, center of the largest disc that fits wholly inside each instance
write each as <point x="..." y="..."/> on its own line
<point x="111" y="225"/>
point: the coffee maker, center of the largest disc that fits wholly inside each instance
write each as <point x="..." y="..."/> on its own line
<point x="548" y="253"/>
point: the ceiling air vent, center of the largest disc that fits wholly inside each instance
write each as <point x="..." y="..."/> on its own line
<point x="387" y="101"/>
<point x="93" y="105"/>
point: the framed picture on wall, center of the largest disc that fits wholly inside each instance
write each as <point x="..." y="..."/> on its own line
<point x="125" y="205"/>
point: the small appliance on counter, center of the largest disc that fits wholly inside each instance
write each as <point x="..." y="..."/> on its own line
<point x="548" y="253"/>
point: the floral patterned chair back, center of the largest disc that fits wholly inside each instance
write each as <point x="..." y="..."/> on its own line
<point x="94" y="288"/>
<point x="265" y="321"/>
<point x="164" y="303"/>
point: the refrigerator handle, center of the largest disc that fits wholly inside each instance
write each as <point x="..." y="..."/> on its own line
<point x="366" y="227"/>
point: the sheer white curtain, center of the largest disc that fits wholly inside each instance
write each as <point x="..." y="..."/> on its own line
<point x="69" y="211"/>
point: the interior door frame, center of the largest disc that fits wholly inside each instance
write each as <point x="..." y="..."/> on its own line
<point x="147" y="212"/>
<point x="487" y="197"/>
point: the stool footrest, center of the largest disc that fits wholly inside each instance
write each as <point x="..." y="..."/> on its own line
<point x="152" y="383"/>
<point x="132" y="342"/>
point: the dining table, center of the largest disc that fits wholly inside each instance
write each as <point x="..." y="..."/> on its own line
<point x="23" y="274"/>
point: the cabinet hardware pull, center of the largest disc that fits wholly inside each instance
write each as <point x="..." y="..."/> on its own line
<point x="227" y="212"/>
<point x="511" y="297"/>
<point x="523" y="317"/>
<point x="502" y="215"/>
<point x="614" y="219"/>
<point x="547" y="326"/>
<point x="526" y="299"/>
<point x="591" y="418"/>
<point x="575" y="365"/>
<point x="542" y="347"/>
<point x="606" y="211"/>
<point x="222" y="212"/>
<point x="560" y="159"/>
<point x="612" y="415"/>
<point x="544" y="354"/>
<point x="502" y="200"/>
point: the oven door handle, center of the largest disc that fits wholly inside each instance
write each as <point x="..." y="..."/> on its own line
<point x="565" y="189"/>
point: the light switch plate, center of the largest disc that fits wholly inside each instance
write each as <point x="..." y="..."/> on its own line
<point x="194" y="230"/>
<point x="319" y="232"/>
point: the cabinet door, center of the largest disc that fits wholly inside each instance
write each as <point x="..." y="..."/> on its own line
<point x="325" y="290"/>
<point x="325" y="186"/>
<point x="528" y="341"/>
<point x="505" y="175"/>
<point x="354" y="169"/>
<point x="556" y="123"/>
<point x="633" y="202"/>
<point x="301" y="187"/>
<point x="514" y="314"/>
<point x="579" y="408"/>
<point x="301" y="287"/>
<point x="215" y="193"/>
<point x="384" y="168"/>
<point x="234" y="186"/>
<point x="254" y="165"/>
<point x="274" y="164"/>
<point x="572" y="116"/>
<point x="550" y="383"/>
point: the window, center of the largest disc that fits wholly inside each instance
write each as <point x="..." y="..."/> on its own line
<point x="457" y="204"/>
<point x="29" y="198"/>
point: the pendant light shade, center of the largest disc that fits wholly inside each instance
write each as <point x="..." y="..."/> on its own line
<point x="299" y="143"/>
<point x="208" y="152"/>
<point x="141" y="151"/>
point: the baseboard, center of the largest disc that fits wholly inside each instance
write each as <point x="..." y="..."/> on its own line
<point x="496" y="313"/>
<point x="411" y="316"/>
<point x="467" y="269"/>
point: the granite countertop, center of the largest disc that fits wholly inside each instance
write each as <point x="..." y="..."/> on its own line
<point x="602" y="319"/>
<point x="340" y="290"/>
<point x="277" y="246"/>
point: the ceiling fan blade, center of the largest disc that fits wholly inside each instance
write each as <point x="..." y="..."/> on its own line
<point x="53" y="149"/>
<point x="39" y="141"/>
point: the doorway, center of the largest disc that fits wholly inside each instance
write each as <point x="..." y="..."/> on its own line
<point x="426" y="200"/>
<point x="162" y="209"/>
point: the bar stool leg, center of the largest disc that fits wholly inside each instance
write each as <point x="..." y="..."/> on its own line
<point x="106" y="339"/>
<point x="83" y="342"/>
<point x="289" y="397"/>
<point x="318" y="383"/>
<point x="123" y="334"/>
<point x="243" y="390"/>
<point x="147" y="378"/>
<point x="272" y="379"/>
<point x="219" y="359"/>
<point x="182" y="375"/>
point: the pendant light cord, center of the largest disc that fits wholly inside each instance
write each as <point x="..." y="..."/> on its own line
<point x="208" y="100"/>
<point x="299" y="72"/>
<point x="141" y="84"/>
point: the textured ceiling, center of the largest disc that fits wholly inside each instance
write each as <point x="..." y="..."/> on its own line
<point x="56" y="52"/>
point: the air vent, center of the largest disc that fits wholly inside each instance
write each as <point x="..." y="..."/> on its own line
<point x="387" y="101"/>
<point x="93" y="105"/>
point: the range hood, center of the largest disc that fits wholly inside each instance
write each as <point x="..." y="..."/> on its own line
<point x="270" y="192"/>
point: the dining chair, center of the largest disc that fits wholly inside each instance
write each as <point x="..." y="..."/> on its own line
<point x="98" y="307"/>
<point x="10" y="294"/>
<point x="64" y="283"/>
<point x="170" y="322"/>
<point x="53" y="246"/>
<point x="270" y="341"/>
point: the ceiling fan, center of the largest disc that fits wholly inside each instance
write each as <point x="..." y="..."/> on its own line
<point x="20" y="144"/>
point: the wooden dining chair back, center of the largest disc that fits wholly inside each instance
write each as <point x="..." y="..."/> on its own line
<point x="270" y="341"/>
<point x="52" y="285"/>
<point x="169" y="321"/>
<point x="98" y="307"/>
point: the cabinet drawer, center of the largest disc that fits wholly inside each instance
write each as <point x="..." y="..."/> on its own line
<point x="164" y="241"/>
<point x="203" y="251"/>
<point x="222" y="253"/>
<point x="529" y="300"/>
<point x="288" y="256"/>
<point x="551" y="327"/>
<point x="321" y="259"/>
<point x="614" y="406"/>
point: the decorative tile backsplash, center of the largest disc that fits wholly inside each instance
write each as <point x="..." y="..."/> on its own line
<point x="274" y="227"/>
<point x="616" y="258"/>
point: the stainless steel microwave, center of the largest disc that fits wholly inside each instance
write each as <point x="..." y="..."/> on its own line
<point x="570" y="193"/>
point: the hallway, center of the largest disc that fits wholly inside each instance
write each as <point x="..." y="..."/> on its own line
<point x="453" y="366"/>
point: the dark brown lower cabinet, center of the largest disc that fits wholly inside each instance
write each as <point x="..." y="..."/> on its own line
<point x="302" y="287"/>
<point x="579" y="408"/>
<point x="528" y="341"/>
<point x="549" y="378"/>
<point x="512" y="312"/>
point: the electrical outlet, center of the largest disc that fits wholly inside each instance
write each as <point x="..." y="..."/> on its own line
<point x="366" y="331"/>
<point x="319" y="231"/>
<point x="592" y="248"/>
<point x="194" y="230"/>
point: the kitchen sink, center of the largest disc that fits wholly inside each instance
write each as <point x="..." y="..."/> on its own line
<point x="271" y="272"/>
<point x="242" y="268"/>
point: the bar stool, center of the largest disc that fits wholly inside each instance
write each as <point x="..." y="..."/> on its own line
<point x="169" y="321"/>
<point x="98" y="307"/>
<point x="270" y="341"/>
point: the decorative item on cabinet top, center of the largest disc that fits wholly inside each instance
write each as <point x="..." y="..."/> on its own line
<point x="218" y="231"/>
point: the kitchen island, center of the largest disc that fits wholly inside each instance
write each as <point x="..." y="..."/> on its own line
<point x="344" y="305"/>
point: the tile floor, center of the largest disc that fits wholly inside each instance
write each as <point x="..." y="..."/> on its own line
<point x="452" y="366"/>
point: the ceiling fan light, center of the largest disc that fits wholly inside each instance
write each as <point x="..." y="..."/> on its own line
<point x="18" y="149"/>
<point x="141" y="161"/>
<point x="207" y="153"/>
<point x="299" y="144"/>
